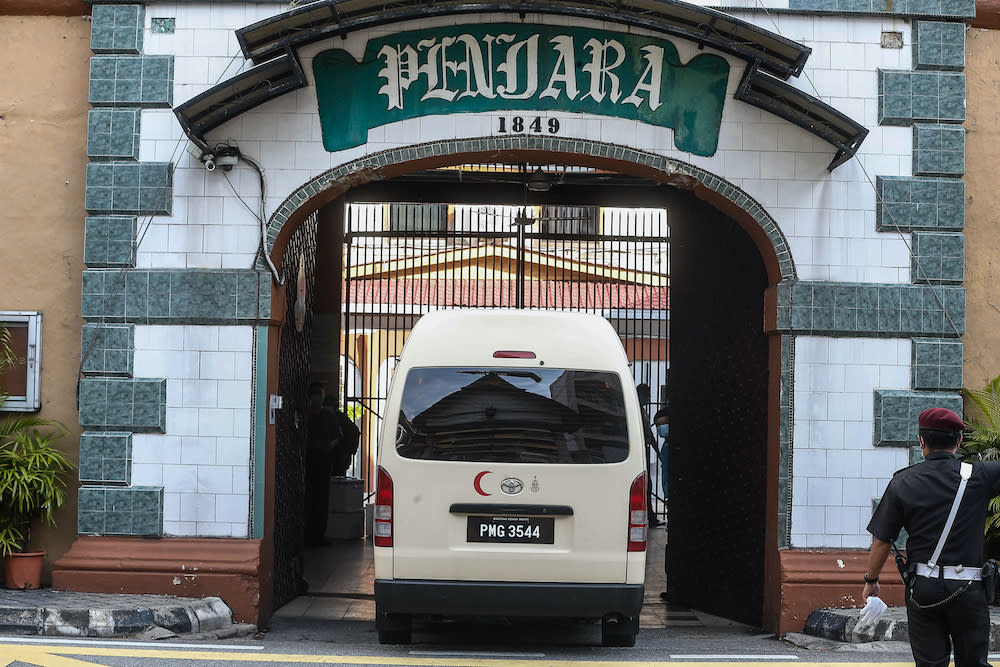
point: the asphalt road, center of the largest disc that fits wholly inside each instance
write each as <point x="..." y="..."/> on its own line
<point x="455" y="645"/>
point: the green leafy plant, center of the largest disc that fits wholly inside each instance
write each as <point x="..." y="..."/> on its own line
<point x="982" y="441"/>
<point x="32" y="470"/>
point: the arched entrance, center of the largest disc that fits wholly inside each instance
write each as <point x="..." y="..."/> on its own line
<point x="730" y="253"/>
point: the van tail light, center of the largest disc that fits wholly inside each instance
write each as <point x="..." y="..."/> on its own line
<point x="513" y="354"/>
<point x="383" y="509"/>
<point x="637" y="522"/>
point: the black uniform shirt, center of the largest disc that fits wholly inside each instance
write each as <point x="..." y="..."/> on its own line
<point x="919" y="498"/>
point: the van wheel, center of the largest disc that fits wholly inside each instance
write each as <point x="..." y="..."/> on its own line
<point x="393" y="628"/>
<point x="619" y="630"/>
<point x="395" y="636"/>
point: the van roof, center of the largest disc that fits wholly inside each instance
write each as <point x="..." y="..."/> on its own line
<point x="560" y="339"/>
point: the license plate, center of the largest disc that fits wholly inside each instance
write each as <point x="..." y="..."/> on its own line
<point x="511" y="529"/>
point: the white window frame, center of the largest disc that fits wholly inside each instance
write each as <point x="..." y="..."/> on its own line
<point x="31" y="401"/>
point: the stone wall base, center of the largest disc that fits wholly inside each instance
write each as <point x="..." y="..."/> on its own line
<point x="178" y="566"/>
<point x="830" y="578"/>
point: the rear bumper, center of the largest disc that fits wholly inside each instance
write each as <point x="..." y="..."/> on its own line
<point x="491" y="598"/>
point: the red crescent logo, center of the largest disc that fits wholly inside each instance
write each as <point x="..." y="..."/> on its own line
<point x="479" y="478"/>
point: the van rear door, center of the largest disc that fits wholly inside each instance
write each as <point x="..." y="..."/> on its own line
<point x="511" y="474"/>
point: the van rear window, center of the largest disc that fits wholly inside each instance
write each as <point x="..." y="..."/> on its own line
<point x="512" y="415"/>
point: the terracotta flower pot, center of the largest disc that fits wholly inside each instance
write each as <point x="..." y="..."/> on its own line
<point x="23" y="570"/>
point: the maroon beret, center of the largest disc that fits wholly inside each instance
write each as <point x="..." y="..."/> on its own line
<point x="940" y="419"/>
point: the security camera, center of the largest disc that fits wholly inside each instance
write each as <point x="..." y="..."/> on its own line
<point x="209" y="163"/>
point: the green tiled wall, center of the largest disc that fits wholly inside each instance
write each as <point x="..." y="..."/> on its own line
<point x="110" y="241"/>
<point x="106" y="457"/>
<point x="896" y="413"/>
<point x="938" y="45"/>
<point x="938" y="150"/>
<point x="112" y="405"/>
<point x="907" y="204"/>
<point x="113" y="134"/>
<point x="936" y="364"/>
<point x="125" y="404"/>
<point x="864" y="309"/>
<point x="107" y="349"/>
<point x="132" y="81"/>
<point x="105" y="510"/>
<point x="130" y="188"/>
<point x="116" y="28"/>
<point x="937" y="258"/>
<point x="906" y="97"/>
<point x="182" y="296"/>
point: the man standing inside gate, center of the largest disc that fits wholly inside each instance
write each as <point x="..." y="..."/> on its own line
<point x="942" y="505"/>
<point x="322" y="437"/>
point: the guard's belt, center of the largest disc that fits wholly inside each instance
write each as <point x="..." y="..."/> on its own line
<point x="959" y="572"/>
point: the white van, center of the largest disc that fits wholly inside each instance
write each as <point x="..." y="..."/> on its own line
<point x="511" y="477"/>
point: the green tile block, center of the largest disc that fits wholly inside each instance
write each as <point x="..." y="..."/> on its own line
<point x="938" y="150"/>
<point x="890" y="310"/>
<point x="896" y="413"/>
<point x="137" y="405"/>
<point x="113" y="134"/>
<point x="919" y="203"/>
<point x="107" y="349"/>
<point x="906" y="97"/>
<point x="116" y="28"/>
<point x="938" y="45"/>
<point x="131" y="80"/>
<point x="90" y="523"/>
<point x="136" y="188"/>
<point x="91" y="499"/>
<point x="937" y="258"/>
<point x="937" y="364"/>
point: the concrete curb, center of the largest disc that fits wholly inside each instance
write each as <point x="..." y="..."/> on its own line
<point x="842" y="625"/>
<point x="67" y="614"/>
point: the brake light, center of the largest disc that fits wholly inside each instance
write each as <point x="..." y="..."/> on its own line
<point x="383" y="509"/>
<point x="637" y="523"/>
<point x="513" y="354"/>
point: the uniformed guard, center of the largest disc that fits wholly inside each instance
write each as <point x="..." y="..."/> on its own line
<point x="946" y="602"/>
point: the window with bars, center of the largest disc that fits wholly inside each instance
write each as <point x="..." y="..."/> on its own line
<point x="418" y="217"/>
<point x="569" y="220"/>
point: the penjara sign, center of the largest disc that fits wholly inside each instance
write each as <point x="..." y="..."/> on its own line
<point x="523" y="68"/>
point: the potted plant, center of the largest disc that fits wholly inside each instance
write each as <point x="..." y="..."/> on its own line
<point x="32" y="484"/>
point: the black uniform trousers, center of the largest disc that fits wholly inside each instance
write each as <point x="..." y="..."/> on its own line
<point x="964" y="621"/>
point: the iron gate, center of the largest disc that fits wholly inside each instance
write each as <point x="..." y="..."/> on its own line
<point x="403" y="260"/>
<point x="290" y="436"/>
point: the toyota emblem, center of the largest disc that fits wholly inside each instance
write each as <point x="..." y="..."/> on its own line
<point x="512" y="486"/>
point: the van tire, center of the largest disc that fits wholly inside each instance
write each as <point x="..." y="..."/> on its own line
<point x="393" y="628"/>
<point x="619" y="630"/>
<point x="395" y="636"/>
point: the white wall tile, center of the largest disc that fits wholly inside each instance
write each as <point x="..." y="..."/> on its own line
<point x="232" y="508"/>
<point x="215" y="479"/>
<point x="834" y="418"/>
<point x="180" y="478"/>
<point x="197" y="450"/>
